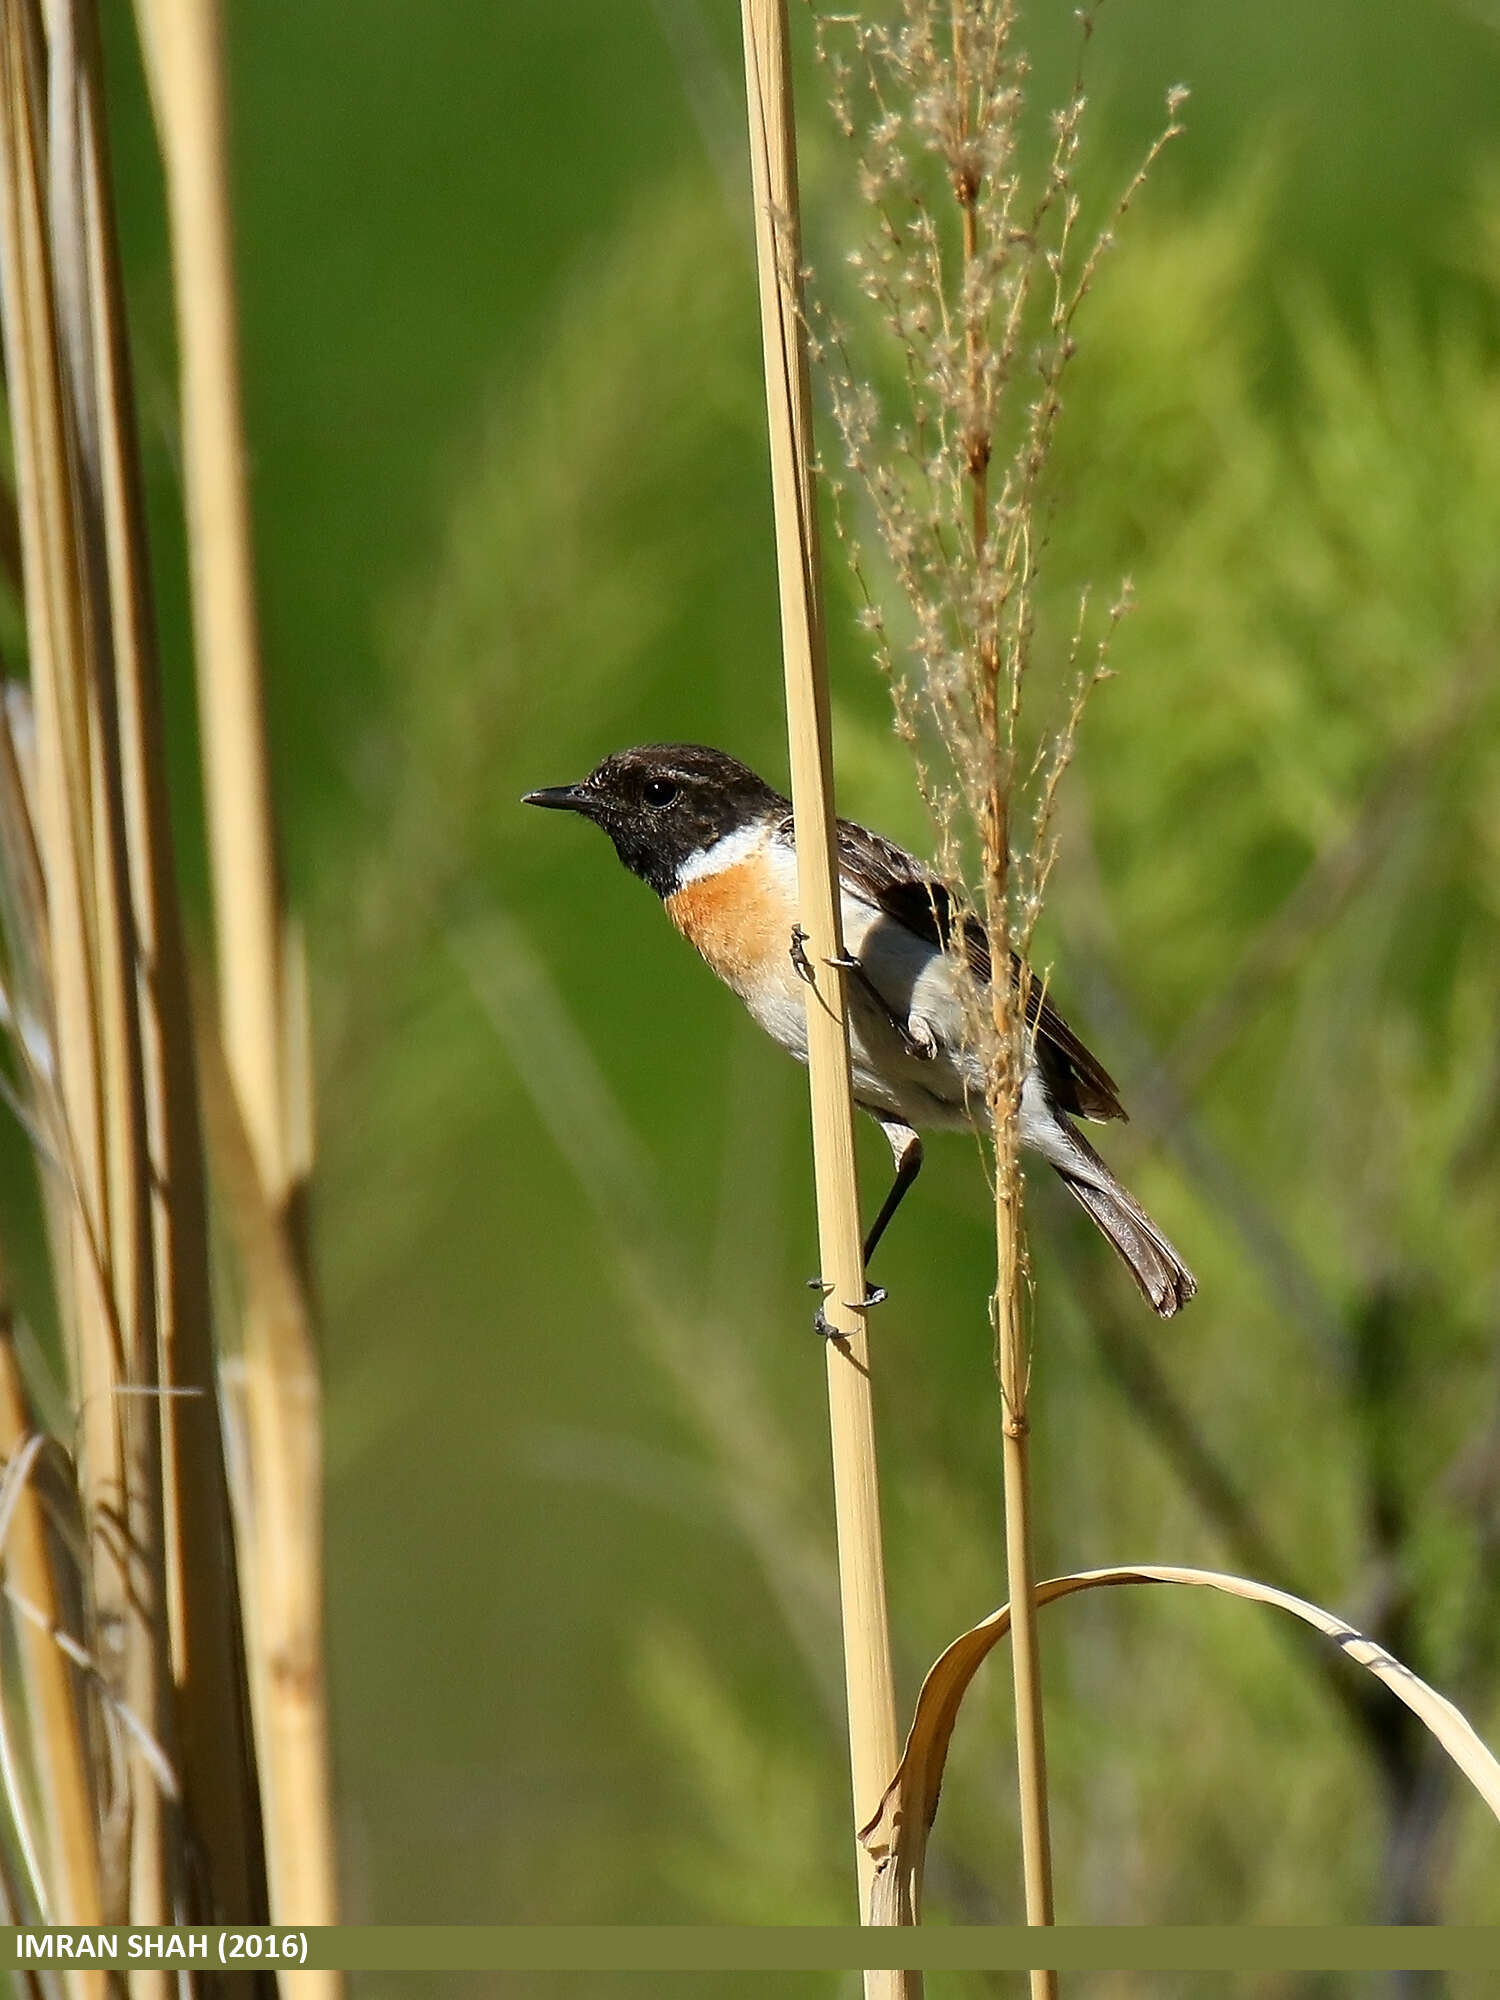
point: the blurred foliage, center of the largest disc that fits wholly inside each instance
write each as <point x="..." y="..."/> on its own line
<point x="502" y="365"/>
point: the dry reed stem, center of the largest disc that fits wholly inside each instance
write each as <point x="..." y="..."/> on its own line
<point x="1031" y="1748"/>
<point x="90" y="348"/>
<point x="977" y="285"/>
<point x="282" y="1544"/>
<point x="101" y="1123"/>
<point x="98" y="1007"/>
<point x="277" y="1304"/>
<point x="867" y="1659"/>
<point x="1000" y="659"/>
<point x="202" y="1602"/>
<point x="183" y="42"/>
<point x="53" y="1693"/>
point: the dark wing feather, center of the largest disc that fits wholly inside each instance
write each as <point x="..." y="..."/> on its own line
<point x="1079" y="1082"/>
<point x="896" y="883"/>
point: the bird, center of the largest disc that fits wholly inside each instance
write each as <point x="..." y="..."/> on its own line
<point x="717" y="844"/>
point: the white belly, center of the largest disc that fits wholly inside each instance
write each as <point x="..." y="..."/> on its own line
<point x="915" y="983"/>
<point x="902" y="979"/>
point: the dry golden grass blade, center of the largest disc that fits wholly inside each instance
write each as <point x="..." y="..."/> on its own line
<point x="53" y="1694"/>
<point x="79" y="837"/>
<point x="47" y="541"/>
<point x="182" y="46"/>
<point x="897" y="1834"/>
<point x="126" y="1236"/>
<point x="281" y="1544"/>
<point x="283" y="1510"/>
<point x="202" y="1599"/>
<point x="867" y="1655"/>
<point x="27" y="932"/>
<point x="102" y="1026"/>
<point x="1013" y="1367"/>
<point x="28" y="994"/>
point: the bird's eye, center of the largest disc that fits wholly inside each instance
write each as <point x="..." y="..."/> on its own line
<point x="659" y="791"/>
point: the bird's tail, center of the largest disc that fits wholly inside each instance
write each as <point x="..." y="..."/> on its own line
<point x="1164" y="1279"/>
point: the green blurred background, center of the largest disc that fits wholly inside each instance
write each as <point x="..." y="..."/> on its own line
<point x="510" y="496"/>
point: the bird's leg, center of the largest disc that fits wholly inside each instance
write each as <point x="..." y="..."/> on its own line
<point x="906" y="1148"/>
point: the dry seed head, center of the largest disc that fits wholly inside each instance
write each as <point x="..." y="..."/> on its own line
<point x="974" y="284"/>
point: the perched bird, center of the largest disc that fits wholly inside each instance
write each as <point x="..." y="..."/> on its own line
<point x="716" y="844"/>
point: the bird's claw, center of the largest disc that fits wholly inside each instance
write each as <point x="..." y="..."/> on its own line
<point x="917" y="1038"/>
<point x="823" y="1327"/>
<point x="801" y="964"/>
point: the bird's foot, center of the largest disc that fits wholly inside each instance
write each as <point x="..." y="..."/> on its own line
<point x="821" y="1324"/>
<point x="801" y="963"/>
<point x="917" y="1038"/>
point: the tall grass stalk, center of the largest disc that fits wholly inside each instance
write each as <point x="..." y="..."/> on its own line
<point x="127" y="1758"/>
<point x="975" y="284"/>
<point x="867" y="1652"/>
<point x="282" y="1409"/>
<point x="85" y="1010"/>
<point x="203" y="1599"/>
<point x="64" y="1778"/>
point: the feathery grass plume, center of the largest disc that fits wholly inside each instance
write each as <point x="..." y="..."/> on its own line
<point x="976" y="281"/>
<point x="975" y="269"/>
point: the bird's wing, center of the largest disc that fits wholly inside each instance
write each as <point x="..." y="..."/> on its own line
<point x="890" y="880"/>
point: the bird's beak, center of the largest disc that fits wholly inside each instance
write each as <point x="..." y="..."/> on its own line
<point x="561" y="798"/>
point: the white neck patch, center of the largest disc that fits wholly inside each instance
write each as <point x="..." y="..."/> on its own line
<point x="728" y="849"/>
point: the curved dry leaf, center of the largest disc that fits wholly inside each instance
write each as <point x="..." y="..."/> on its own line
<point x="897" y="1835"/>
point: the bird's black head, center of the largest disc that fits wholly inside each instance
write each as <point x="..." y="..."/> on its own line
<point x="665" y="802"/>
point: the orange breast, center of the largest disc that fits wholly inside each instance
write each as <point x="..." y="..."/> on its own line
<point x="740" y="920"/>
